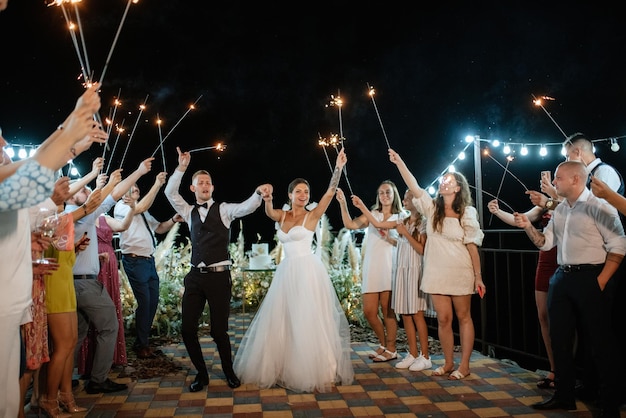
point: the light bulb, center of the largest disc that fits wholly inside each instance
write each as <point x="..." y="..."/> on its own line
<point x="614" y="145"/>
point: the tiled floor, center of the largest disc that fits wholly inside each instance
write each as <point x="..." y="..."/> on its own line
<point x="493" y="389"/>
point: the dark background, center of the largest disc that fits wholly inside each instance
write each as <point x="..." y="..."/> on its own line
<point x="265" y="75"/>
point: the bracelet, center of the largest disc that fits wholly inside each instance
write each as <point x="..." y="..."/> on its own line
<point x="85" y="209"/>
<point x="73" y="151"/>
<point x="477" y="274"/>
<point x="172" y="219"/>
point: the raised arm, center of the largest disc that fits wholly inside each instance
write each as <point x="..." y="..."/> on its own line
<point x="96" y="166"/>
<point x="146" y="202"/>
<point x="407" y="176"/>
<point x="359" y="222"/>
<point x="356" y="201"/>
<point x="118" y="225"/>
<point x="533" y="214"/>
<point x="324" y="202"/>
<point x="603" y="191"/>
<point x="128" y="182"/>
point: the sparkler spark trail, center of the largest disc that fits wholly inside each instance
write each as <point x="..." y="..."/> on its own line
<point x="506" y="170"/>
<point x="192" y="107"/>
<point x="119" y="129"/>
<point x="372" y="92"/>
<point x="219" y="147"/>
<point x="110" y="123"/>
<point x="323" y="143"/>
<point x="132" y="134"/>
<point x="539" y="102"/>
<point x="336" y="101"/>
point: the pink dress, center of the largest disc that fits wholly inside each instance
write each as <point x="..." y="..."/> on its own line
<point x="109" y="277"/>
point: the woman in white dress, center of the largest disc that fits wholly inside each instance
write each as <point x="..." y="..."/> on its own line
<point x="452" y="272"/>
<point x="377" y="268"/>
<point x="406" y="297"/>
<point x="300" y="337"/>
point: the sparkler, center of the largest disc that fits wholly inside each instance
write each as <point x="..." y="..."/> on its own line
<point x="132" y="134"/>
<point x="119" y="29"/>
<point x="493" y="196"/>
<point x="323" y="143"/>
<point x="506" y="170"/>
<point x="539" y="102"/>
<point x="110" y="125"/>
<point x="337" y="102"/>
<point x="119" y="129"/>
<point x="160" y="139"/>
<point x="372" y="92"/>
<point x="192" y="107"/>
<point x="508" y="161"/>
<point x="219" y="147"/>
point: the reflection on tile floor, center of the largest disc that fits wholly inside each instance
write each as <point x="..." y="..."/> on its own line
<point x="493" y="389"/>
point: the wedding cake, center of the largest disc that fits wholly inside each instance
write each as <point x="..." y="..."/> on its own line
<point x="260" y="258"/>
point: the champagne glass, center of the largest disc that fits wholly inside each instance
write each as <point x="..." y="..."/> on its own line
<point x="46" y="224"/>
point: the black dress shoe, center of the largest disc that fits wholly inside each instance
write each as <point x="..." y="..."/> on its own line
<point x="199" y="383"/>
<point x="145" y="353"/>
<point x="108" y="386"/>
<point x="554" y="403"/>
<point x="233" y="381"/>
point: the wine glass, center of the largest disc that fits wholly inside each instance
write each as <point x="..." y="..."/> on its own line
<point x="46" y="224"/>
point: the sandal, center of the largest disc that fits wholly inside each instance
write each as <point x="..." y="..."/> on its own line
<point x="385" y="356"/>
<point x="546" y="382"/>
<point x="457" y="375"/>
<point x="379" y="351"/>
<point x="440" y="371"/>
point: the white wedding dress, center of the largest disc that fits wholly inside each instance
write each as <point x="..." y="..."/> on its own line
<point x="300" y="337"/>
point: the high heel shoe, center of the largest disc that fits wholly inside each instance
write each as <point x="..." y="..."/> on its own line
<point x="51" y="408"/>
<point x="68" y="403"/>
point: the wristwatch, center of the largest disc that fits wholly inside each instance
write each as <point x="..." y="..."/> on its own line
<point x="550" y="204"/>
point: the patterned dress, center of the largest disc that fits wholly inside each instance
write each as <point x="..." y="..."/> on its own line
<point x="35" y="333"/>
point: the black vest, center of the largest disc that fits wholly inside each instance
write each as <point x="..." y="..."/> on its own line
<point x="620" y="190"/>
<point x="209" y="239"/>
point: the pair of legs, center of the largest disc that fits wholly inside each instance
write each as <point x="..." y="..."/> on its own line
<point x="214" y="288"/>
<point x="386" y="329"/>
<point x="446" y="306"/>
<point x="415" y="327"/>
<point x="63" y="329"/>
<point x="144" y="281"/>
<point x="541" y="300"/>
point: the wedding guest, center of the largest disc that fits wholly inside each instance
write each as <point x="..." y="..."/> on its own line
<point x="138" y="244"/>
<point x="208" y="280"/>
<point x="407" y="299"/>
<point x="590" y="245"/>
<point x="546" y="266"/>
<point x="17" y="181"/>
<point x="300" y="338"/>
<point x="93" y="302"/>
<point x="110" y="279"/>
<point x="452" y="271"/>
<point x="377" y="267"/>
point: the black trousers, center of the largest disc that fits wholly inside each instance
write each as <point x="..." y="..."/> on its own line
<point x="214" y="288"/>
<point x="575" y="301"/>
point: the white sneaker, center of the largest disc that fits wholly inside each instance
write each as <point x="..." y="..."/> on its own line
<point x="406" y="362"/>
<point x="421" y="363"/>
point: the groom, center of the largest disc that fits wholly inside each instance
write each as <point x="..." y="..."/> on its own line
<point x="209" y="278"/>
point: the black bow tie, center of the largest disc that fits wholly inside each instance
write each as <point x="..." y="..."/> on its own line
<point x="204" y="205"/>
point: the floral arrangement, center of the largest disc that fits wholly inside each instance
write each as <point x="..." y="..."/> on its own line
<point x="339" y="253"/>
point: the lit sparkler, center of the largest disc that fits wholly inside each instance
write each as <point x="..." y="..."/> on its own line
<point x="372" y="92"/>
<point x="509" y="158"/>
<point x="142" y="107"/>
<point x="120" y="129"/>
<point x="324" y="144"/>
<point x="506" y="170"/>
<point x="219" y="147"/>
<point x="192" y="107"/>
<point x="539" y="102"/>
<point x="160" y="139"/>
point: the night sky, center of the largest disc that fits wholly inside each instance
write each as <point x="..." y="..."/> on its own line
<point x="265" y="75"/>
